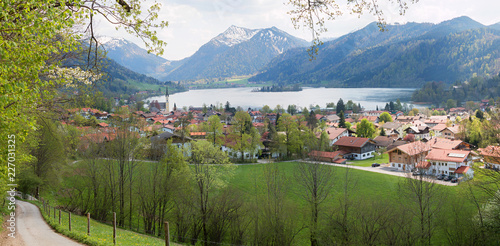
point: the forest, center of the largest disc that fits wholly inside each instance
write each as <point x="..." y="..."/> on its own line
<point x="474" y="89"/>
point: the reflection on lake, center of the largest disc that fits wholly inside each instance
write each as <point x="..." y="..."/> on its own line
<point x="369" y="98"/>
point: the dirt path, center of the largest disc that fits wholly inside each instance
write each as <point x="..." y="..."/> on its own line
<point x="32" y="230"/>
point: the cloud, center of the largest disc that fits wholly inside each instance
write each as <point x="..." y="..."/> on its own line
<point x="192" y="23"/>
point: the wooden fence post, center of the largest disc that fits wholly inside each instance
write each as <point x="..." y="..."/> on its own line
<point x="114" y="228"/>
<point x="59" y="216"/>
<point x="54" y="213"/>
<point x="88" y="224"/>
<point x="69" y="221"/>
<point x="167" y="234"/>
<point x="49" y="210"/>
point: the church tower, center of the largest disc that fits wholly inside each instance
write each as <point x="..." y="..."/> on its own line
<point x="167" y="105"/>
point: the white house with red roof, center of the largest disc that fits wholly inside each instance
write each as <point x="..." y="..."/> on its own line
<point x="334" y="134"/>
<point x="449" y="162"/>
<point x="356" y="148"/>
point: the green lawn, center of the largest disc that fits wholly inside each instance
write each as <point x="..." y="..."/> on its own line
<point x="369" y="187"/>
<point x="368" y="162"/>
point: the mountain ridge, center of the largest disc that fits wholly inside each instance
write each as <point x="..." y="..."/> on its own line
<point x="235" y="52"/>
<point x="369" y="57"/>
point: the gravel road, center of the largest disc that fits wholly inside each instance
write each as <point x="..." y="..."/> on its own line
<point x="34" y="231"/>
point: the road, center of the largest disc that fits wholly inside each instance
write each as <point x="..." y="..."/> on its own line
<point x="32" y="230"/>
<point x="386" y="169"/>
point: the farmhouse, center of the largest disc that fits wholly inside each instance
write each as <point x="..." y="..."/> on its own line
<point x="491" y="157"/>
<point x="406" y="157"/>
<point x="356" y="148"/>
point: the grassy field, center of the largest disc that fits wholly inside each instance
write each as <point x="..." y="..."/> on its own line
<point x="368" y="162"/>
<point x="100" y="234"/>
<point x="249" y="179"/>
<point x="369" y="186"/>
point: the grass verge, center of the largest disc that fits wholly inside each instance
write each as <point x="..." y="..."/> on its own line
<point x="100" y="234"/>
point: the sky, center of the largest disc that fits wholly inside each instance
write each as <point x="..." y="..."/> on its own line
<point x="193" y="23"/>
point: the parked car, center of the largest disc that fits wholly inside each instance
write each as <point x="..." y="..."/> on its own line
<point x="454" y="180"/>
<point x="375" y="165"/>
<point x="417" y="173"/>
<point x="440" y="176"/>
<point x="447" y="178"/>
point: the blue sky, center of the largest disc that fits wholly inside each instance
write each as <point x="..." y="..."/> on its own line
<point x="192" y="23"/>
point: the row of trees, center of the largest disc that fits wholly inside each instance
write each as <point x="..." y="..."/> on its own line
<point x="459" y="93"/>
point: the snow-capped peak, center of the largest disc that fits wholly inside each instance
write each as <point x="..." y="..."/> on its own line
<point x="110" y="42"/>
<point x="235" y="35"/>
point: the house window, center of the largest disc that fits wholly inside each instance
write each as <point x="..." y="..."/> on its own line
<point x="399" y="165"/>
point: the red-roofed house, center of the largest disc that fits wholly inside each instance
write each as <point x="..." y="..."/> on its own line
<point x="491" y="157"/>
<point x="451" y="132"/>
<point x="406" y="157"/>
<point x="102" y="124"/>
<point x="325" y="156"/>
<point x="356" y="148"/>
<point x="372" y="119"/>
<point x="443" y="143"/>
<point x="447" y="161"/>
<point x="334" y="134"/>
<point x="198" y="135"/>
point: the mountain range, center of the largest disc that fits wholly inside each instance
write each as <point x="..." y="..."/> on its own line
<point x="136" y="58"/>
<point x="401" y="56"/>
<point x="235" y="52"/>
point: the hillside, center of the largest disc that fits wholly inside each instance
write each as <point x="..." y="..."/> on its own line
<point x="237" y="51"/>
<point x="403" y="56"/>
<point x="136" y="58"/>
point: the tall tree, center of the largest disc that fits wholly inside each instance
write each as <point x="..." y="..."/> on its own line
<point x="385" y="117"/>
<point x="316" y="180"/>
<point x="292" y="109"/>
<point x="340" y="106"/>
<point x="425" y="199"/>
<point x="36" y="36"/>
<point x="342" y="120"/>
<point x="48" y="155"/>
<point x="214" y="130"/>
<point x="312" y="121"/>
<point x="365" y="129"/>
<point x="245" y="136"/>
<point x="211" y="171"/>
<point x="290" y="141"/>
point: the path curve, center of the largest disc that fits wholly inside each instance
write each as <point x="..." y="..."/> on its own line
<point x="33" y="229"/>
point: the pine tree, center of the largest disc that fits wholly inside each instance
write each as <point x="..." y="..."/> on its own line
<point x="382" y="132"/>
<point x="342" y="120"/>
<point x="340" y="106"/>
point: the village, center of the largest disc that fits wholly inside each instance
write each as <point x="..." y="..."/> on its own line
<point x="417" y="143"/>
